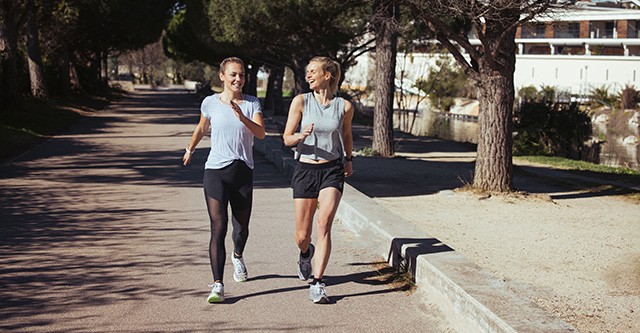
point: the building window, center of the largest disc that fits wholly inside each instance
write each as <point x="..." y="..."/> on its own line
<point x="596" y="29"/>
<point x="533" y="30"/>
<point x="632" y="29"/>
<point x="566" y="30"/>
<point x="609" y="27"/>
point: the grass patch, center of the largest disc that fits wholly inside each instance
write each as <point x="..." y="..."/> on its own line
<point x="397" y="279"/>
<point x="568" y="164"/>
<point x="627" y="177"/>
<point x="24" y="126"/>
<point x="366" y="151"/>
<point x="634" y="197"/>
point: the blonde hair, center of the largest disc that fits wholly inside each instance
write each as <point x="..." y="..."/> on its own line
<point x="332" y="67"/>
<point x="223" y="64"/>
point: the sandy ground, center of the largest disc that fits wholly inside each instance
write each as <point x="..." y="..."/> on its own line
<point x="572" y="245"/>
<point x="581" y="255"/>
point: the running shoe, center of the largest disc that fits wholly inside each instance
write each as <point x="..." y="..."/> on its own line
<point x="240" y="270"/>
<point x="304" y="264"/>
<point x="217" y="293"/>
<point x="317" y="293"/>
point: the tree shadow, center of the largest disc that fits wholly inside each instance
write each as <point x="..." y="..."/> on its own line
<point x="428" y="165"/>
<point x="84" y="224"/>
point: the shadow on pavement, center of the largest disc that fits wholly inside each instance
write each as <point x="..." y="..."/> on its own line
<point x="428" y="165"/>
<point x="75" y="211"/>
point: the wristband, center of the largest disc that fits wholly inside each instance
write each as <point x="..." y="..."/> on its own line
<point x="190" y="152"/>
<point x="349" y="158"/>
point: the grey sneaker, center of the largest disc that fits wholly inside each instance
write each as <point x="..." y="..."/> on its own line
<point x="217" y="293"/>
<point x="304" y="264"/>
<point x="239" y="269"/>
<point x="317" y="293"/>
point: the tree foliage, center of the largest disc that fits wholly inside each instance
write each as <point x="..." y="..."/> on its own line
<point x="443" y="83"/>
<point x="271" y="33"/>
<point x="76" y="37"/>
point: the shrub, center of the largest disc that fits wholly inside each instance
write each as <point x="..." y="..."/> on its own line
<point x="551" y="130"/>
<point x="547" y="94"/>
<point x="528" y="94"/>
<point x="629" y="98"/>
<point x="600" y="97"/>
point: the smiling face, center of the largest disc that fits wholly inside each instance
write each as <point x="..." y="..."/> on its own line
<point x="317" y="77"/>
<point x="232" y="76"/>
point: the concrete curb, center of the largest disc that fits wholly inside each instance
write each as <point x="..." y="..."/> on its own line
<point x="472" y="299"/>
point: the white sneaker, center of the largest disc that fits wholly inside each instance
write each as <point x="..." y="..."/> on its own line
<point x="317" y="293"/>
<point x="239" y="269"/>
<point x="304" y="264"/>
<point x="217" y="293"/>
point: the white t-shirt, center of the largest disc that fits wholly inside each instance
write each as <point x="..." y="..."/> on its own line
<point x="230" y="138"/>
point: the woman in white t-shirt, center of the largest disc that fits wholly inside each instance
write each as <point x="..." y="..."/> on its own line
<point x="234" y="119"/>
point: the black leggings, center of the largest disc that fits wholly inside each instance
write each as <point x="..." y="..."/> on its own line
<point x="233" y="185"/>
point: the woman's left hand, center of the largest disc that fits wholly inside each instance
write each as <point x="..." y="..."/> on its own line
<point x="348" y="169"/>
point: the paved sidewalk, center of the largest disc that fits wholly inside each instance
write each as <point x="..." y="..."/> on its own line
<point x="472" y="299"/>
<point x="103" y="230"/>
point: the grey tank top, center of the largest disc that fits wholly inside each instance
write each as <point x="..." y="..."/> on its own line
<point x="325" y="142"/>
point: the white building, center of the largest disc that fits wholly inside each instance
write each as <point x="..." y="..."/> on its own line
<point x="580" y="49"/>
<point x="574" y="50"/>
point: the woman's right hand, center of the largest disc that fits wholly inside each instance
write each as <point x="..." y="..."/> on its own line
<point x="186" y="158"/>
<point x="306" y="131"/>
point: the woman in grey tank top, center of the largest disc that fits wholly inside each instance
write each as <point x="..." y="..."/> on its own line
<point x="323" y="150"/>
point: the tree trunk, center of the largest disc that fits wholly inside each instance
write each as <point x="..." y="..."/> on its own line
<point x="251" y="83"/>
<point x="494" y="164"/>
<point x="273" y="100"/>
<point x="300" y="78"/>
<point x="385" y="18"/>
<point x="104" y="68"/>
<point x="494" y="167"/>
<point x="64" y="69"/>
<point x="11" y="80"/>
<point x="74" y="77"/>
<point x="36" y="71"/>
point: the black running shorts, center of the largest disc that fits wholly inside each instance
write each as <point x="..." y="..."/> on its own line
<point x="308" y="179"/>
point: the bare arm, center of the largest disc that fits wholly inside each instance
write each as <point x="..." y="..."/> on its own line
<point x="198" y="134"/>
<point x="255" y="125"/>
<point x="295" y="115"/>
<point x="347" y="137"/>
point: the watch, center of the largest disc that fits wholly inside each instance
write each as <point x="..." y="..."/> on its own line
<point x="349" y="158"/>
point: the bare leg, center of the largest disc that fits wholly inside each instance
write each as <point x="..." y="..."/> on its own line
<point x="304" y="211"/>
<point x="329" y="199"/>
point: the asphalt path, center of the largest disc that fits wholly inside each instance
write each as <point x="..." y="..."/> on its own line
<point x="103" y="230"/>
